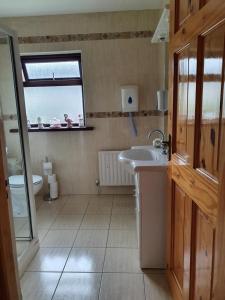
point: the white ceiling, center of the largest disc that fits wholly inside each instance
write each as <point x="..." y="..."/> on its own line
<point x="14" y="8"/>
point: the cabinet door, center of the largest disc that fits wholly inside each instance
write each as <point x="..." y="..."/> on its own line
<point x="213" y="44"/>
<point x="203" y="257"/>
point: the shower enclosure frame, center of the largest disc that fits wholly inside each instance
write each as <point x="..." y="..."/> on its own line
<point x="22" y="119"/>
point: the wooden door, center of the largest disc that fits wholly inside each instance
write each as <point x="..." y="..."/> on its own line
<point x="184" y="9"/>
<point x="9" y="281"/>
<point x="196" y="125"/>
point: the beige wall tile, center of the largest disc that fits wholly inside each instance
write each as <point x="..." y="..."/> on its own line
<point x="107" y="64"/>
<point x="84" y="23"/>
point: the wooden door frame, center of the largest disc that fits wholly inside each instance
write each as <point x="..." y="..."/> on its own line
<point x="9" y="278"/>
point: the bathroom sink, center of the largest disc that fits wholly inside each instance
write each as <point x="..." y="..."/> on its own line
<point x="136" y="154"/>
<point x="142" y="156"/>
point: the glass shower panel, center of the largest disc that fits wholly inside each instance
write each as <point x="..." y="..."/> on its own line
<point x="10" y="119"/>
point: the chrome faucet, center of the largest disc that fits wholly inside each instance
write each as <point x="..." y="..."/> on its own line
<point x="156" y="130"/>
<point x="164" y="144"/>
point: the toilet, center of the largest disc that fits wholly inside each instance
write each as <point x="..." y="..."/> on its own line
<point x="18" y="193"/>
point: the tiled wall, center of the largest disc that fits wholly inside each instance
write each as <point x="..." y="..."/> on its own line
<point x="116" y="50"/>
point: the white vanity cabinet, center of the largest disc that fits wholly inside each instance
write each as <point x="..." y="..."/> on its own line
<point x="150" y="186"/>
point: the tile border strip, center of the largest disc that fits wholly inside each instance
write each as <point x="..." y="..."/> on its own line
<point x="119" y="114"/>
<point x="102" y="115"/>
<point x="84" y="37"/>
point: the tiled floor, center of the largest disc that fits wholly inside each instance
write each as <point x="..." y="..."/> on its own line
<point x="89" y="251"/>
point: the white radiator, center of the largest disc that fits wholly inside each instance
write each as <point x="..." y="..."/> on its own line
<point x="111" y="171"/>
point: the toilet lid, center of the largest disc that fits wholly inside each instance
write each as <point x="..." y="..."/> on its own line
<point x="18" y="180"/>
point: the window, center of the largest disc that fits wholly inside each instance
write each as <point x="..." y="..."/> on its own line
<point x="53" y="87"/>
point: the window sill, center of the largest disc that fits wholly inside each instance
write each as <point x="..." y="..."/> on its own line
<point x="86" y="128"/>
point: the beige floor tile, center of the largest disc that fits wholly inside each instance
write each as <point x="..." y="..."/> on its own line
<point x="39" y="285"/>
<point x="73" y="208"/>
<point x="42" y="233"/>
<point x="123" y="202"/>
<point x="53" y="205"/>
<point x="79" y="198"/>
<point x="122" y="238"/>
<point x="46" y="213"/>
<point x="67" y="222"/>
<point x="102" y="206"/>
<point x="122" y="287"/>
<point x="19" y="224"/>
<point x="49" y="260"/>
<point x="122" y="260"/>
<point x="156" y="287"/>
<point x="85" y="260"/>
<point x="59" y="238"/>
<point x="44" y="220"/>
<point x="124" y="206"/>
<point x="25" y="231"/>
<point x="95" y="222"/>
<point x="91" y="238"/>
<point x="123" y="222"/>
<point x="21" y="247"/>
<point x="85" y="286"/>
<point x="123" y="210"/>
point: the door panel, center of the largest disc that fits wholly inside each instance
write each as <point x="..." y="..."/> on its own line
<point x="178" y="257"/>
<point x="211" y="101"/>
<point x="185" y="8"/>
<point x="182" y="239"/>
<point x="186" y="94"/>
<point x="181" y="133"/>
<point x="204" y="257"/>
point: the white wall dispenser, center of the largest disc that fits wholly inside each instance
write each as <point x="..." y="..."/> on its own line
<point x="162" y="100"/>
<point x="130" y="99"/>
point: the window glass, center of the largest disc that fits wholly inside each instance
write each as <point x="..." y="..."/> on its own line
<point x="53" y="102"/>
<point x="60" y="69"/>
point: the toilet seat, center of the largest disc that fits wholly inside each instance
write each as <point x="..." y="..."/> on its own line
<point x="17" y="181"/>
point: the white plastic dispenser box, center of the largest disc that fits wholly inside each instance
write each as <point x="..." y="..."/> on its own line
<point x="129" y="95"/>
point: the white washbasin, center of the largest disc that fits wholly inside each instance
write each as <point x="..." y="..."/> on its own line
<point x="136" y="154"/>
<point x="142" y="156"/>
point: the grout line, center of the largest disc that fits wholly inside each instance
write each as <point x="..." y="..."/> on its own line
<point x="68" y="256"/>
<point x="100" y="286"/>
<point x="114" y="197"/>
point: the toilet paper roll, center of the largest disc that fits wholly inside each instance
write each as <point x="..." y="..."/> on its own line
<point x="54" y="190"/>
<point x="47" y="168"/>
<point x="51" y="178"/>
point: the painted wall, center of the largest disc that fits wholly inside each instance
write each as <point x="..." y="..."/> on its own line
<point x="107" y="64"/>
